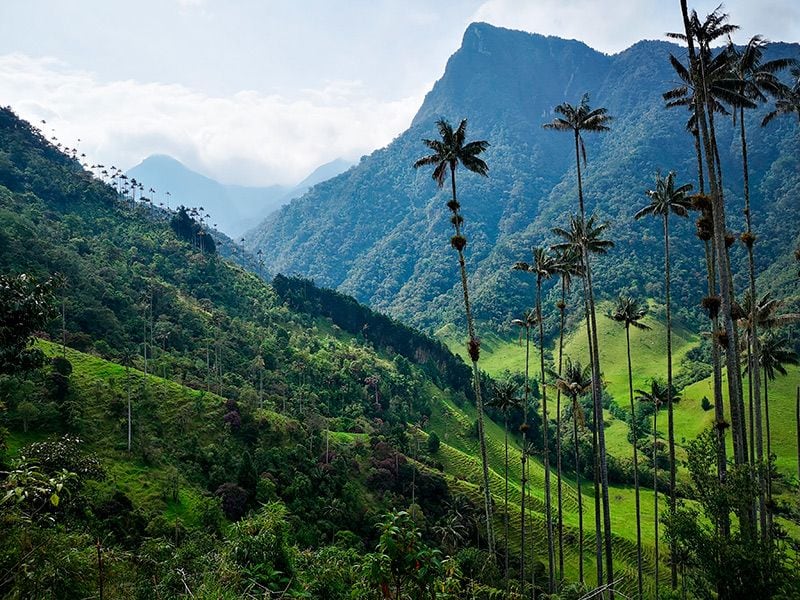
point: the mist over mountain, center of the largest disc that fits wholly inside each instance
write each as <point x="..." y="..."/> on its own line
<point x="234" y="208"/>
<point x="381" y="232"/>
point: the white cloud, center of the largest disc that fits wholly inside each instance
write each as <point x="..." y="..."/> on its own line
<point x="614" y="26"/>
<point x="249" y="137"/>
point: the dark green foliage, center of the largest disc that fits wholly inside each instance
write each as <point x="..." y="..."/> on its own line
<point x="26" y="307"/>
<point x="403" y="566"/>
<point x="380" y="330"/>
<point x="740" y="565"/>
<point x="433" y="443"/>
<point x="186" y="228"/>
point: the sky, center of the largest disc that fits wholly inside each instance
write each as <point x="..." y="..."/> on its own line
<point x="258" y="92"/>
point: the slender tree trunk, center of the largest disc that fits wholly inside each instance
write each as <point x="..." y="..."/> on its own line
<point x="578" y="478"/>
<point x="533" y="554"/>
<point x="670" y="417"/>
<point x="524" y="453"/>
<point x="754" y="346"/>
<point x="766" y="521"/>
<point x="474" y="352"/>
<point x="598" y="511"/>
<point x="580" y="180"/>
<point x="752" y="416"/>
<point x="505" y="427"/>
<point x="635" y="469"/>
<point x="601" y="436"/>
<point x="719" y="406"/>
<point x="558" y="437"/>
<point x="655" y="491"/>
<point x="598" y="531"/>
<point x="546" y="445"/>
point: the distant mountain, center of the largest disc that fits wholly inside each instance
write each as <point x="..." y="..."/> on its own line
<point x="380" y="231"/>
<point x="322" y="173"/>
<point x="234" y="208"/>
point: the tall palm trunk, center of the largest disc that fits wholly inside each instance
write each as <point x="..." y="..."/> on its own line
<point x="578" y="478"/>
<point x="635" y="468"/>
<point x="769" y="451"/>
<point x="754" y="346"/>
<point x="670" y="416"/>
<point x="524" y="453"/>
<point x="601" y="436"/>
<point x="655" y="493"/>
<point x="474" y="353"/>
<point x="505" y="428"/>
<point x="598" y="531"/>
<point x="560" y="523"/>
<point x="580" y="180"/>
<point x="719" y="408"/>
<point x="546" y="444"/>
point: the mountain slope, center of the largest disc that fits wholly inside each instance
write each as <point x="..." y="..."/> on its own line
<point x="387" y="227"/>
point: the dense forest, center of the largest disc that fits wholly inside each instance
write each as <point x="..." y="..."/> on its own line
<point x="176" y="423"/>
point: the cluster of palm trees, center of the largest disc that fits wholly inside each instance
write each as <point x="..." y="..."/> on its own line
<point x="726" y="82"/>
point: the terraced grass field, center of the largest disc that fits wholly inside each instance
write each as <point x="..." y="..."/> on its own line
<point x="648" y="348"/>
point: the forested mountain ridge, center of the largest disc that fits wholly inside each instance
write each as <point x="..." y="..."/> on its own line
<point x="386" y="224"/>
<point x="191" y="394"/>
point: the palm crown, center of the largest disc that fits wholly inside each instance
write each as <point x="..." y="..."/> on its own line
<point x="666" y="198"/>
<point x="575" y="379"/>
<point x="582" y="233"/>
<point x="657" y="394"/>
<point x="628" y="312"/>
<point x="580" y="118"/>
<point x="451" y="150"/>
<point x="506" y="396"/>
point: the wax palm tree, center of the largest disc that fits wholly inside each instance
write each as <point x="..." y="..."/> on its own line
<point x="568" y="264"/>
<point x="658" y="395"/>
<point x="528" y="321"/>
<point x="543" y="266"/>
<point x="753" y="79"/>
<point x="448" y="152"/>
<point x="586" y="236"/>
<point x="628" y="312"/>
<point x="666" y="198"/>
<point x="575" y="381"/>
<point x="577" y="119"/>
<point x="506" y="399"/>
<point x="699" y="37"/>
